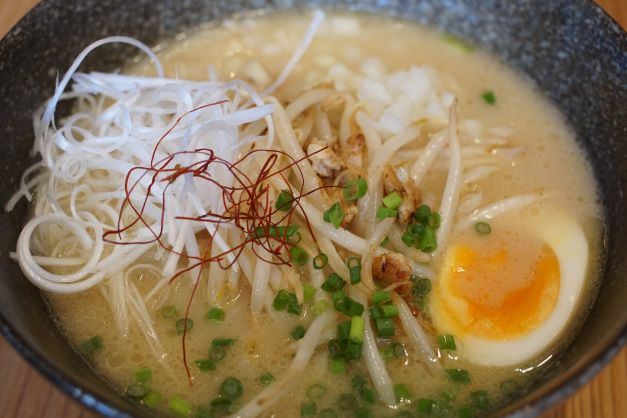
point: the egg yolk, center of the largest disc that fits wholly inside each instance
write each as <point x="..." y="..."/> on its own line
<point x="499" y="293"/>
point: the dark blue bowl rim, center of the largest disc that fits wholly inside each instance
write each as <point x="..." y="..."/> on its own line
<point x="74" y="390"/>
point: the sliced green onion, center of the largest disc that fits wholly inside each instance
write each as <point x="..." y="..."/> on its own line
<point x="355" y="189"/>
<point x="205" y="364"/>
<point x="398" y="350"/>
<point x="362" y="413"/>
<point x="333" y="283"/>
<point x="465" y="411"/>
<point x="308" y="409"/>
<point x="346" y="401"/>
<point x="143" y="375"/>
<point x="358" y="382"/>
<point x="458" y="375"/>
<point x="327" y="413"/>
<point x="316" y="391"/>
<point x="480" y="399"/>
<point x="354" y="267"/>
<point x="231" y="388"/>
<point x="367" y="395"/>
<point x="508" y="387"/>
<point x="184" y="324"/>
<point x="357" y="330"/>
<point x="220" y="402"/>
<point x="338" y="366"/>
<point x="334" y="215"/>
<point x="489" y="97"/>
<point x="393" y="200"/>
<point x="384" y="212"/>
<point x="435" y="220"/>
<point x="286" y="301"/>
<point x="202" y="412"/>
<point x="375" y="312"/>
<point x="320" y="306"/>
<point x="424" y="405"/>
<point x="216" y="315"/>
<point x="298" y="332"/>
<point x="299" y="255"/>
<point x="385" y="327"/>
<point x="284" y="201"/>
<point x="217" y="353"/>
<point x="266" y="378"/>
<point x="352" y="351"/>
<point x="402" y="393"/>
<point x="344" y="330"/>
<point x="422" y="214"/>
<point x="421" y="287"/>
<point x="483" y="228"/>
<point x="388" y="311"/>
<point x="136" y="391"/>
<point x="428" y="242"/>
<point x="168" y="311"/>
<point x="409" y="239"/>
<point x="447" y="342"/>
<point x="151" y="399"/>
<point x="320" y="261"/>
<point x="93" y="344"/>
<point x="180" y="407"/>
<point x="381" y="296"/>
<point x="354" y="308"/>
<point x="308" y="292"/>
<point x="222" y="342"/>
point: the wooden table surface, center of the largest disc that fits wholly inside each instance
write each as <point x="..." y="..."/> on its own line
<point x="24" y="393"/>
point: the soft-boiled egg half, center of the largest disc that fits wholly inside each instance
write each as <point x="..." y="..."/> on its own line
<point x="507" y="295"/>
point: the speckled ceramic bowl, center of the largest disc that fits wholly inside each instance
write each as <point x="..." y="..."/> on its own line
<point x="574" y="52"/>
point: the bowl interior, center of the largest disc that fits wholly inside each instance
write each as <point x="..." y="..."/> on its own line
<point x="578" y="61"/>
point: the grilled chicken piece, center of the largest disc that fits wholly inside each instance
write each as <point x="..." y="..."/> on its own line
<point x="409" y="193"/>
<point x="392" y="268"/>
<point x="326" y="163"/>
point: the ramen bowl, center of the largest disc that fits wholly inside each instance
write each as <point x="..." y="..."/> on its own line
<point x="572" y="51"/>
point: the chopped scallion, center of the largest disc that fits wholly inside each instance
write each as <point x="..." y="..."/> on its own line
<point x="381" y="296"/>
<point x="216" y="315"/>
<point x="333" y="283"/>
<point x="480" y="399"/>
<point x="393" y="200"/>
<point x="143" y="375"/>
<point x="93" y="344"/>
<point x="136" y="391"/>
<point x="355" y="189"/>
<point x="298" y="332"/>
<point x="168" y="311"/>
<point x="357" y="330"/>
<point x="316" y="391"/>
<point x="385" y="327"/>
<point x="284" y="201"/>
<point x="205" y="364"/>
<point x="286" y="301"/>
<point x="402" y="393"/>
<point x="388" y="311"/>
<point x="308" y="409"/>
<point x="489" y="97"/>
<point x="367" y="395"/>
<point x="299" y="255"/>
<point x="320" y="306"/>
<point x="447" y="342"/>
<point x="344" y="330"/>
<point x="222" y="342"/>
<point x="428" y="242"/>
<point x="334" y="215"/>
<point x="151" y="399"/>
<point x="231" y="388"/>
<point x="320" y="261"/>
<point x="338" y="366"/>
<point x="458" y="375"/>
<point x="267" y="378"/>
<point x="398" y="350"/>
<point x="354" y="267"/>
<point x="308" y="292"/>
<point x="483" y="228"/>
<point x="384" y="212"/>
<point x="424" y="405"/>
<point x="184" y="324"/>
<point x="422" y="214"/>
<point x="217" y="353"/>
<point x="180" y="407"/>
